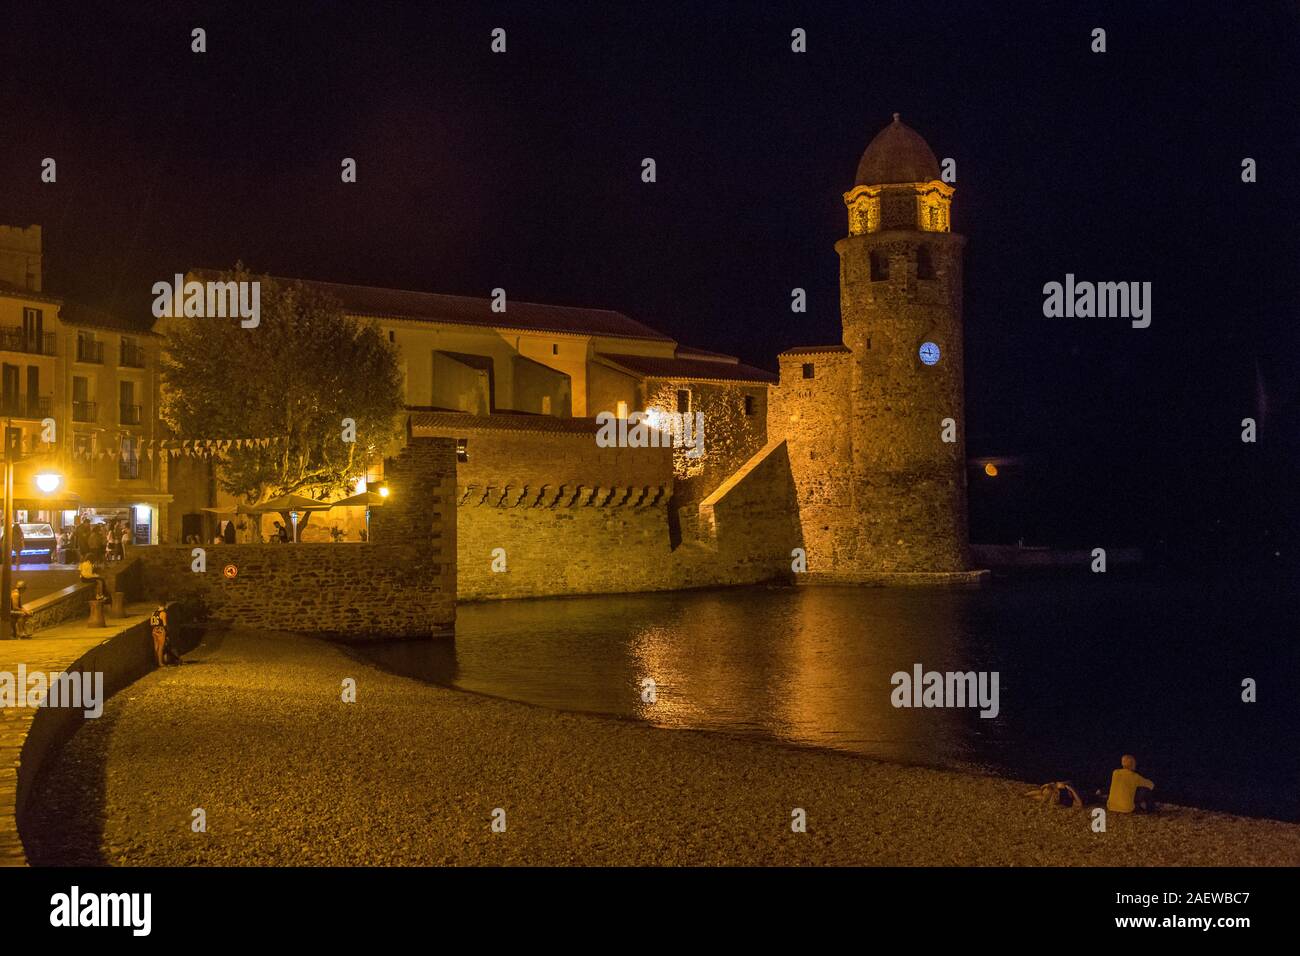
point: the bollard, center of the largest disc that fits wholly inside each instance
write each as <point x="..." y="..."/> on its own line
<point x="97" y="613"/>
<point x="119" y="604"/>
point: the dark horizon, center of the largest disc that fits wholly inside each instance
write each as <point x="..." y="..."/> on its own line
<point x="522" y="171"/>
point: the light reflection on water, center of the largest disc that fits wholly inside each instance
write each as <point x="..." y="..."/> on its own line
<point x="1086" y="673"/>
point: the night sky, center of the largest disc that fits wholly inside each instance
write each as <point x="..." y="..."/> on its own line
<point x="522" y="170"/>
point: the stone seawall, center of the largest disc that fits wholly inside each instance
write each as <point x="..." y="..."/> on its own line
<point x="580" y="539"/>
<point x="400" y="584"/>
<point x="343" y="591"/>
<point x="37" y="733"/>
<point x="566" y="539"/>
<point x="70" y="603"/>
<point x="543" y="509"/>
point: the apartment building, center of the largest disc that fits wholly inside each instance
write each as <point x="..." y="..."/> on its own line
<point x="88" y="380"/>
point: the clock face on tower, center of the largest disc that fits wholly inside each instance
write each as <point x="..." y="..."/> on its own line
<point x="929" y="353"/>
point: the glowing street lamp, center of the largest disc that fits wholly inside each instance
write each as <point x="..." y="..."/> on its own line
<point x="48" y="482"/>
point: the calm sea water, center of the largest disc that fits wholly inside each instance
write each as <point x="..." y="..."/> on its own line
<point x="1088" y="669"/>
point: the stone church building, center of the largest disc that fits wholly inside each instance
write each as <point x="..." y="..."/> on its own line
<point x="848" y="468"/>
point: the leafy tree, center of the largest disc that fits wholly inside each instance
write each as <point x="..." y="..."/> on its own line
<point x="295" y="377"/>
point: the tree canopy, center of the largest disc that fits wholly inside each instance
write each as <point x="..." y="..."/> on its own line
<point x="294" y="378"/>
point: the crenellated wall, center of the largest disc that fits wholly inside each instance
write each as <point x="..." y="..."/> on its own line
<point x="554" y="513"/>
<point x="561" y="539"/>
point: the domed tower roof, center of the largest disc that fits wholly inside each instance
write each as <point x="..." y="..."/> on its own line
<point x="898" y="154"/>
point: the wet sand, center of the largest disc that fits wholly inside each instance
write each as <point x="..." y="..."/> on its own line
<point x="253" y="730"/>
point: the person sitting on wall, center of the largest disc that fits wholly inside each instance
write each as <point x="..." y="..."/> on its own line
<point x="281" y="534"/>
<point x="88" y="573"/>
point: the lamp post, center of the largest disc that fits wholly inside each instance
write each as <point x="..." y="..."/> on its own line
<point x="13" y="439"/>
<point x="6" y="583"/>
<point x="47" y="482"/>
<point x="380" y="488"/>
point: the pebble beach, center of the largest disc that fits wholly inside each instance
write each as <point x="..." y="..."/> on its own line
<point x="253" y="730"/>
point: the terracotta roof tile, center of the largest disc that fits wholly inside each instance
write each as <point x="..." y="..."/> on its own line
<point x="374" y="302"/>
<point x="655" y="366"/>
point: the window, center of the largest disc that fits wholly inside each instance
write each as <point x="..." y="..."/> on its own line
<point x="36" y="408"/>
<point x="131" y="355"/>
<point x="130" y="411"/>
<point x="924" y="263"/>
<point x="83" y="410"/>
<point x="749" y="404"/>
<point x="555" y="348"/>
<point x="88" y="350"/>
<point x="462" y="449"/>
<point x="807" y="369"/>
<point x="9" y="378"/>
<point x="683" y="401"/>
<point x="879" y="266"/>
<point x="392" y="336"/>
<point x="128" y="464"/>
<point x="34" y="331"/>
<point x="83" y="454"/>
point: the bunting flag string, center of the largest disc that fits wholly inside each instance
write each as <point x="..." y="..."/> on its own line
<point x="125" y="446"/>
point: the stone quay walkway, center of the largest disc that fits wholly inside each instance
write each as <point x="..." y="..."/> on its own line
<point x="256" y="733"/>
<point x="51" y="651"/>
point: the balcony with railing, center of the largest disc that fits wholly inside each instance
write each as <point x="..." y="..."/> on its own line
<point x="88" y="350"/>
<point x="132" y="356"/>
<point x="18" y="339"/>
<point x="130" y="415"/>
<point x="85" y="411"/>
<point x="25" y="406"/>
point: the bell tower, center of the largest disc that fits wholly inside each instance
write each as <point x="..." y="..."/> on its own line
<point x="901" y="309"/>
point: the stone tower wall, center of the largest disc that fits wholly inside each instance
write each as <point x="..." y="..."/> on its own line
<point x="908" y="486"/>
<point x="812" y="416"/>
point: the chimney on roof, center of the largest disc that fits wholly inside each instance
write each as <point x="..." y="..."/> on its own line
<point x="20" y="256"/>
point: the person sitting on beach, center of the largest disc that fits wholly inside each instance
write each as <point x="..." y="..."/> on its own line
<point x="1059" y="793"/>
<point x="88" y="573"/>
<point x="1125" y="789"/>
